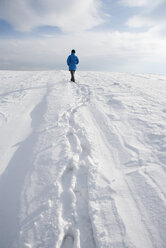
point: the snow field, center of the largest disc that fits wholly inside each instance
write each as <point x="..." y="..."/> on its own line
<point x="82" y="165"/>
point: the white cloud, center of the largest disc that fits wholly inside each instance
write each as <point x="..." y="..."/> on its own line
<point x="69" y="16"/>
<point x="152" y="17"/>
<point x="140" y="21"/>
<point x="135" y="3"/>
<point x="120" y="51"/>
<point x="97" y="50"/>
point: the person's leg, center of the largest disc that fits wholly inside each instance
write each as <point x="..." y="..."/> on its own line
<point x="72" y="76"/>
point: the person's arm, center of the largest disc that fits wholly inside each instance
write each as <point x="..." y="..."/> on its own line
<point x="68" y="60"/>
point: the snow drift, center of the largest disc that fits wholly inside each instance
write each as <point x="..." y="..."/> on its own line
<point x="82" y="165"/>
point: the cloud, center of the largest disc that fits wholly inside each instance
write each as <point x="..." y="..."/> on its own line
<point x="111" y="51"/>
<point x="140" y="21"/>
<point x="73" y="15"/>
<point x="135" y="3"/>
<point x="152" y="17"/>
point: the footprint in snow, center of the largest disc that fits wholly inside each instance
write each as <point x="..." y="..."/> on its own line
<point x="68" y="241"/>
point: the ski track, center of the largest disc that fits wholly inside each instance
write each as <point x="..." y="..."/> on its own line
<point x="94" y="161"/>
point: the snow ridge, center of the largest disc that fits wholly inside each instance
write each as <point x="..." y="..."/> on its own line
<point x="70" y="180"/>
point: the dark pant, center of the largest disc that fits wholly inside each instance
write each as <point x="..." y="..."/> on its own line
<point x="72" y="76"/>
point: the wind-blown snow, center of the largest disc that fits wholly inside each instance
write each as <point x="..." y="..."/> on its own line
<point x="82" y="165"/>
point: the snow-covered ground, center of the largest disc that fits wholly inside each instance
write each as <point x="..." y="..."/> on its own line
<point x="82" y="165"/>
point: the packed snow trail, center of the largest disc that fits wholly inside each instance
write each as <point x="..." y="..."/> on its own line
<point x="82" y="165"/>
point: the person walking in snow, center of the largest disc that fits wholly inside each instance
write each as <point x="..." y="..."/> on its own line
<point x="72" y="62"/>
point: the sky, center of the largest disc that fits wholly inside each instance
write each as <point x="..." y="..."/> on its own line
<point x="108" y="35"/>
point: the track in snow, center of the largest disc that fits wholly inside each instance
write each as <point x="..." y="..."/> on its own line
<point x="74" y="179"/>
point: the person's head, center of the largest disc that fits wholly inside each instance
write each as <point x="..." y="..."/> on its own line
<point x="73" y="51"/>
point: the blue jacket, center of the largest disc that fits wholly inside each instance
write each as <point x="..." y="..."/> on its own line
<point x="72" y="61"/>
